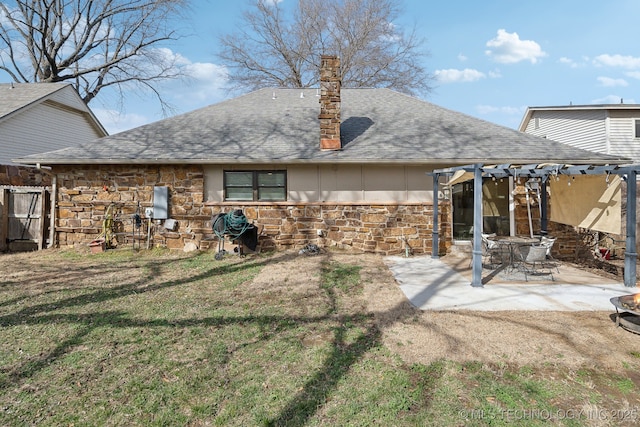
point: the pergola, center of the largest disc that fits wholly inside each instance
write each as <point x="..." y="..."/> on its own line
<point x="542" y="172"/>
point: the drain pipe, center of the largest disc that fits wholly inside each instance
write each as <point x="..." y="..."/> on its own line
<point x="52" y="214"/>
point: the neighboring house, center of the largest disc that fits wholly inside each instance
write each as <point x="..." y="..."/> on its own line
<point x="35" y="117"/>
<point x="610" y="129"/>
<point x="346" y="168"/>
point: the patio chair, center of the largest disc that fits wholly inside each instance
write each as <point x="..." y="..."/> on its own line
<point x="532" y="261"/>
<point x="548" y="242"/>
<point x="494" y="252"/>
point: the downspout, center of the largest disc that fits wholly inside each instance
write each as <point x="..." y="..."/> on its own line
<point x="52" y="214"/>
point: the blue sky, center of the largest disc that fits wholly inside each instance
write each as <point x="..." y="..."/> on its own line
<point x="492" y="59"/>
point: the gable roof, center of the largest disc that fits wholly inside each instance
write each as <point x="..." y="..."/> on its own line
<point x="17" y="97"/>
<point x="281" y="125"/>
<point x="586" y="107"/>
<point x="40" y="116"/>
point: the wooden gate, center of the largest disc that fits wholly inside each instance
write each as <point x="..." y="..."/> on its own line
<point x="24" y="218"/>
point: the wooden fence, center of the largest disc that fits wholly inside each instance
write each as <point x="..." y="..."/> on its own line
<point x="24" y="218"/>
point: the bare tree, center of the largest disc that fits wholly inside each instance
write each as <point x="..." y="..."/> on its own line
<point x="273" y="48"/>
<point x="91" y="43"/>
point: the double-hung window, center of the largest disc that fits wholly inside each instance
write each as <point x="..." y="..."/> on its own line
<point x="255" y="185"/>
<point x="637" y="128"/>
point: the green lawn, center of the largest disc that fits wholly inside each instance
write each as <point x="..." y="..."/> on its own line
<point x="171" y="339"/>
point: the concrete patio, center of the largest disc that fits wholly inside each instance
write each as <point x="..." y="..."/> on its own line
<point x="445" y="284"/>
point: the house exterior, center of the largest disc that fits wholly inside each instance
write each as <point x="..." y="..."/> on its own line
<point x="37" y="117"/>
<point x="332" y="166"/>
<point x="610" y="128"/>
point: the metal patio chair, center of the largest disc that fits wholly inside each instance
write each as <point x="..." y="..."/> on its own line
<point x="492" y="251"/>
<point x="548" y="243"/>
<point x="532" y="261"/>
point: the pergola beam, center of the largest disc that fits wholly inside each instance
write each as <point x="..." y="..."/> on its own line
<point x="542" y="171"/>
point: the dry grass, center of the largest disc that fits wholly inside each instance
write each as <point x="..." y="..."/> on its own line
<point x="162" y="338"/>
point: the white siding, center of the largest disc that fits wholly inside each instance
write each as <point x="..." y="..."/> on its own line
<point x="67" y="96"/>
<point x="582" y="129"/>
<point x="622" y="134"/>
<point x="44" y="127"/>
<point x="339" y="183"/>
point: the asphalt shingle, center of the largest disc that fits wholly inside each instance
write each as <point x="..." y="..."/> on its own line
<point x="14" y="96"/>
<point x="281" y="125"/>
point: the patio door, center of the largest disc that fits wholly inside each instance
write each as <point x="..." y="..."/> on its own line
<point x="495" y="208"/>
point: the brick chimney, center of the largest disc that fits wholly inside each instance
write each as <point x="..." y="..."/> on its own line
<point x="330" y="81"/>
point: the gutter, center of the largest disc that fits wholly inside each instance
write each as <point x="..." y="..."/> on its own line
<point x="603" y="159"/>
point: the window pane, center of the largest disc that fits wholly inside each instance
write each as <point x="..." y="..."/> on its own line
<point x="271" y="179"/>
<point x="239" y="193"/>
<point x="270" y="193"/>
<point x="637" y="128"/>
<point x="244" y="179"/>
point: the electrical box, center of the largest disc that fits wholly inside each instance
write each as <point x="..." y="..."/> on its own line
<point x="160" y="202"/>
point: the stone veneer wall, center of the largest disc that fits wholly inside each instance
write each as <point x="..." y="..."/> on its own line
<point x="23" y="176"/>
<point x="84" y="196"/>
<point x="379" y="228"/>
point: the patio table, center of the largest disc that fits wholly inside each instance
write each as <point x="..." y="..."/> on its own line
<point x="511" y="245"/>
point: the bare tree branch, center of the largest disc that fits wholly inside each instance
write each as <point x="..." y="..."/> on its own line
<point x="92" y="43"/>
<point x="271" y="48"/>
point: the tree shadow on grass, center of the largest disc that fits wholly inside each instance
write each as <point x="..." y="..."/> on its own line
<point x="344" y="352"/>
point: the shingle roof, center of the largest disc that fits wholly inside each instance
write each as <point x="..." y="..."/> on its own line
<point x="14" y="96"/>
<point x="281" y="125"/>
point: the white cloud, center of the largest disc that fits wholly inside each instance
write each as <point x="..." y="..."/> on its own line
<point x="570" y="62"/>
<point x="507" y="48"/>
<point x="633" y="74"/>
<point x="609" y="82"/>
<point x="613" y="99"/>
<point x="511" y="111"/>
<point x="462" y="57"/>
<point x="495" y="74"/>
<point x="455" y="76"/>
<point x="620" y="61"/>
<point x="206" y="82"/>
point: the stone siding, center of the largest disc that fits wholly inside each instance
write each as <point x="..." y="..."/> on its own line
<point x="85" y="196"/>
<point x="23" y="176"/>
<point x="380" y="228"/>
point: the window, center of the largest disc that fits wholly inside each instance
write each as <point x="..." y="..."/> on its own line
<point x="637" y="123"/>
<point x="255" y="185"/>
